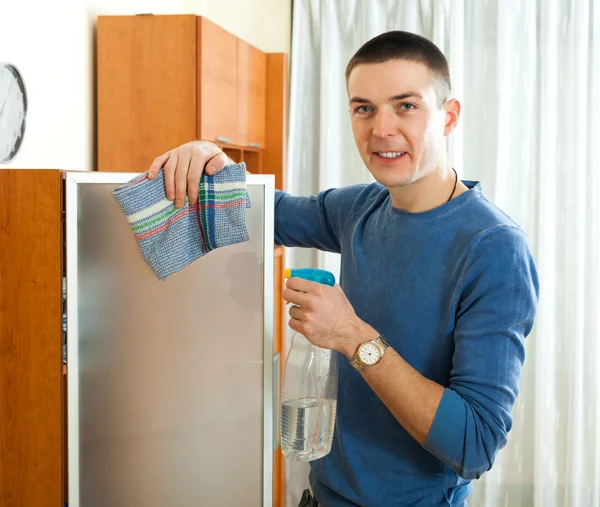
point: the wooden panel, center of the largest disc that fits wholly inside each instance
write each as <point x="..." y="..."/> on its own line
<point x="279" y="311"/>
<point x="146" y="88"/>
<point x="234" y="154"/>
<point x="280" y="323"/>
<point x="217" y="83"/>
<point x="274" y="163"/>
<point x="278" y="500"/>
<point x="252" y="94"/>
<point x="276" y="119"/>
<point x="30" y="338"/>
<point x="253" y="160"/>
<point x="65" y="436"/>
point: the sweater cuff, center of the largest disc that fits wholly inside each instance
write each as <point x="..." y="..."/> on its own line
<point x="447" y="432"/>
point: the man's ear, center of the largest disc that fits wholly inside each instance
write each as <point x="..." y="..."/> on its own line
<point x="452" y="108"/>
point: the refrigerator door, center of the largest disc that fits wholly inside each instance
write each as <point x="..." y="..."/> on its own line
<point x="170" y="384"/>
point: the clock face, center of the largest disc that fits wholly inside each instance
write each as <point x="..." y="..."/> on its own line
<point x="13" y="111"/>
<point x="369" y="353"/>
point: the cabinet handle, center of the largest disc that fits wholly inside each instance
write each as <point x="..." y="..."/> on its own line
<point x="254" y="145"/>
<point x="224" y="140"/>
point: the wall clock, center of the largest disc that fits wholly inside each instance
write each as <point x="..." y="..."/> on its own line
<point x="13" y="111"/>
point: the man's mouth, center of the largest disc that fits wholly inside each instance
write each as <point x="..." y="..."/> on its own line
<point x="390" y="155"/>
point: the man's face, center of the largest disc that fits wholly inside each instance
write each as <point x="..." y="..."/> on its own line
<point x="398" y="126"/>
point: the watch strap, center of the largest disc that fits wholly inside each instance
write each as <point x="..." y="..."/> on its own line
<point x="356" y="364"/>
<point x="381" y="340"/>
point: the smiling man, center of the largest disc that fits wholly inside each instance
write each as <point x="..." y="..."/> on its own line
<point x="438" y="291"/>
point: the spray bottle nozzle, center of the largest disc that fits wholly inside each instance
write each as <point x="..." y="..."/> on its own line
<point x="314" y="275"/>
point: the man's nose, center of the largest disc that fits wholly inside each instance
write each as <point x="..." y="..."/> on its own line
<point x="385" y="124"/>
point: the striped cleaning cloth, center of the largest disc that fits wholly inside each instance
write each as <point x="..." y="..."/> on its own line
<point x="169" y="238"/>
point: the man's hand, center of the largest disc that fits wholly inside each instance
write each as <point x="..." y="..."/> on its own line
<point x="325" y="317"/>
<point x="184" y="167"/>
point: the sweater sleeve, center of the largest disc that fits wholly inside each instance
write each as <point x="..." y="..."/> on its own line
<point x="495" y="312"/>
<point x="313" y="222"/>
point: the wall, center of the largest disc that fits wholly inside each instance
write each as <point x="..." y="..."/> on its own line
<point x="58" y="66"/>
<point x="266" y="24"/>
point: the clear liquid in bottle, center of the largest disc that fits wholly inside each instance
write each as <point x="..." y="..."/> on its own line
<point x="307" y="428"/>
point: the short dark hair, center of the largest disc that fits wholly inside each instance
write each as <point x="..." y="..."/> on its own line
<point x="406" y="46"/>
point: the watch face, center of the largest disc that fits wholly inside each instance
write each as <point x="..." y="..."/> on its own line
<point x="369" y="353"/>
<point x="13" y="111"/>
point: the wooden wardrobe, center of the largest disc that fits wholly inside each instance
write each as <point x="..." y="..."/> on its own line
<point x="161" y="81"/>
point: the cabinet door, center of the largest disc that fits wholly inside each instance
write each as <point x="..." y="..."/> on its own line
<point x="217" y="83"/>
<point x="146" y="88"/>
<point x="31" y="441"/>
<point x="276" y="122"/>
<point x="252" y="94"/>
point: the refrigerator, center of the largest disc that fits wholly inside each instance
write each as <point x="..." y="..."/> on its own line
<point x="173" y="385"/>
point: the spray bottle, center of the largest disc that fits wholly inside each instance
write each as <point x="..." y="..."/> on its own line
<point x="309" y="391"/>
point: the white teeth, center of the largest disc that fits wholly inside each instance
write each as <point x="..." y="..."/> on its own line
<point x="391" y="154"/>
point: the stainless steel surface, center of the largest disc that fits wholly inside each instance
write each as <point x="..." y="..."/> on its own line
<point x="170" y="383"/>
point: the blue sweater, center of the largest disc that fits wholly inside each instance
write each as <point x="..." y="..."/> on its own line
<point x="454" y="291"/>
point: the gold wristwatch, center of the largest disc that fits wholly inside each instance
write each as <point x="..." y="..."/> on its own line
<point x="369" y="353"/>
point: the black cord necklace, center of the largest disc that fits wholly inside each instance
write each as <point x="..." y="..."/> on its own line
<point x="455" y="183"/>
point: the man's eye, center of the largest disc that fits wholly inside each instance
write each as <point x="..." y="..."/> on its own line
<point x="363" y="109"/>
<point x="406" y="106"/>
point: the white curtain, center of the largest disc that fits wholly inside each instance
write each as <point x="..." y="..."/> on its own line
<point x="527" y="73"/>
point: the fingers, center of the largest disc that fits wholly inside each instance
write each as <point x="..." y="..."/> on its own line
<point x="183" y="168"/>
<point x="295" y="325"/>
<point x="300" y="284"/>
<point x="216" y="164"/>
<point x="300" y="323"/>
<point x="193" y="180"/>
<point x="296" y="313"/>
<point x="169" y="173"/>
<point x="157" y="165"/>
<point x="181" y="175"/>
<point x="201" y="158"/>
<point x="296" y="297"/>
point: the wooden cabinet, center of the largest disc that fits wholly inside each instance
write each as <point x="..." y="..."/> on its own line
<point x="32" y="439"/>
<point x="166" y="80"/>
<point x="275" y="152"/>
<point x="217" y="85"/>
<point x="146" y="88"/>
<point x="252" y="94"/>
